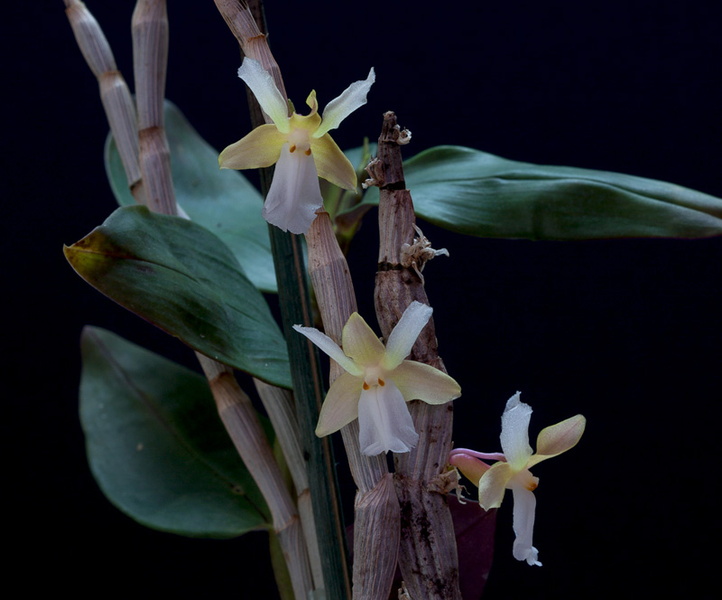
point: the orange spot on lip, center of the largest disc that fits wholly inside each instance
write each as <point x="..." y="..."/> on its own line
<point x="532" y="486"/>
<point x="365" y="386"/>
<point x="308" y="152"/>
<point x="382" y="382"/>
<point x="292" y="148"/>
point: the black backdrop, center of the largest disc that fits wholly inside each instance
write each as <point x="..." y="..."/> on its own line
<point x="626" y="332"/>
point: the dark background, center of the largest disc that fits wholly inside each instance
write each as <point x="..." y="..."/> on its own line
<point x="625" y="332"/>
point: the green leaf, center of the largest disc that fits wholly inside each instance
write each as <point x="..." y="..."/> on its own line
<point x="480" y="194"/>
<point x="182" y="278"/>
<point x="359" y="156"/>
<point x="223" y="201"/>
<point x="156" y="445"/>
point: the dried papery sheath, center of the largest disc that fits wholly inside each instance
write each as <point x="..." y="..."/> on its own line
<point x="114" y="92"/>
<point x="376" y="508"/>
<point x="511" y="472"/>
<point x="242" y="423"/>
<point x="150" y="62"/>
<point x="299" y="146"/>
<point x="241" y="20"/>
<point x="428" y="557"/>
<point x="278" y="403"/>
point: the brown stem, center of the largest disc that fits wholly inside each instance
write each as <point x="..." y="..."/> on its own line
<point x="428" y="556"/>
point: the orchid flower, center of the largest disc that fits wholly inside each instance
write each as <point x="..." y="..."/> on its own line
<point x="299" y="145"/>
<point x="512" y="469"/>
<point x="378" y="382"/>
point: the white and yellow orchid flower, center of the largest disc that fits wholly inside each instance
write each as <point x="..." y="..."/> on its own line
<point x="299" y="146"/>
<point x="378" y="382"/>
<point x="512" y="469"/>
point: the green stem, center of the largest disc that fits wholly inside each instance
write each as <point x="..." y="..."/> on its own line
<point x="308" y="386"/>
<point x="309" y="390"/>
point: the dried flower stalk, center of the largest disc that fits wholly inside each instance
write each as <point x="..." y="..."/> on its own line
<point x="428" y="556"/>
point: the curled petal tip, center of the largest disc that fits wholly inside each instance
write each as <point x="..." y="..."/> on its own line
<point x="353" y="97"/>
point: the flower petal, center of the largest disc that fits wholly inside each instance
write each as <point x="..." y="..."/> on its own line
<point x="294" y="195"/>
<point x="472" y="468"/>
<point x="260" y="148"/>
<point x="555" y="439"/>
<point x="360" y="342"/>
<point x="339" y="108"/>
<point x="384" y="421"/>
<point x="515" y="432"/>
<point x="524" y="509"/>
<point x="493" y="485"/>
<point x="418" y="381"/>
<point x="404" y="335"/>
<point x="332" y="163"/>
<point x="341" y="404"/>
<point x="264" y="89"/>
<point x="331" y="348"/>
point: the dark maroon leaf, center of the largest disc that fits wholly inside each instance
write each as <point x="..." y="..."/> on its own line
<point x="474" y="528"/>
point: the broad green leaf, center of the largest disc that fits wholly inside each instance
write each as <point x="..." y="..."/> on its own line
<point x="223" y="201"/>
<point x="182" y="278"/>
<point x="156" y="445"/>
<point x="480" y="194"/>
